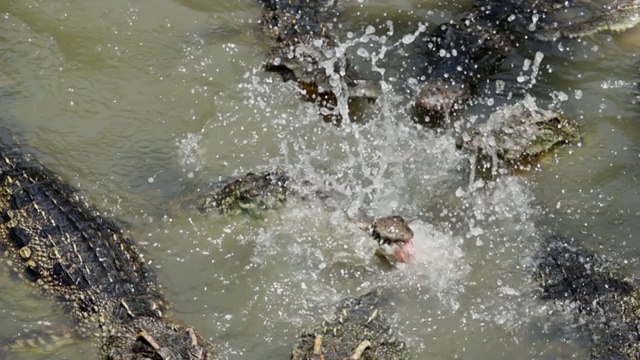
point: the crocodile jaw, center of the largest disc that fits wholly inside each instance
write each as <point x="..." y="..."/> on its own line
<point x="398" y="252"/>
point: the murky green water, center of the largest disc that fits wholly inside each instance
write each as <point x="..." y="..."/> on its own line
<point x="141" y="103"/>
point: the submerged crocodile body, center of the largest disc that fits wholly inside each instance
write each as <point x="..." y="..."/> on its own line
<point x="459" y="54"/>
<point x="305" y="51"/>
<point x="515" y="136"/>
<point x="51" y="237"/>
<point x="359" y="330"/>
<point x="464" y="52"/>
<point x="607" y="304"/>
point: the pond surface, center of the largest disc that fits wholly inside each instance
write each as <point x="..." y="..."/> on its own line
<point x="143" y="103"/>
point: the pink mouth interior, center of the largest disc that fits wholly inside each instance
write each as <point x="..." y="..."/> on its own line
<point x="404" y="252"/>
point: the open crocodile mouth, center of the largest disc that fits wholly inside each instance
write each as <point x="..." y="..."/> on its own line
<point x="398" y="251"/>
<point x="405" y="251"/>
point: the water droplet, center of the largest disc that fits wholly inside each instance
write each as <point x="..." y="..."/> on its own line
<point x="408" y="39"/>
<point x="363" y="53"/>
<point x="534" y="20"/>
<point x="578" y="94"/>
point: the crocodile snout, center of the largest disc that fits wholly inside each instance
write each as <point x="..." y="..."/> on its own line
<point x="436" y="100"/>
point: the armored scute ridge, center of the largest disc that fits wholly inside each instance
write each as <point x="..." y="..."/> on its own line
<point x="359" y="330"/>
<point x="466" y="51"/>
<point x="605" y="303"/>
<point x="51" y="237"/>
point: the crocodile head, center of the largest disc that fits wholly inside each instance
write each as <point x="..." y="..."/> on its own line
<point x="322" y="74"/>
<point x="519" y="134"/>
<point x="150" y="338"/>
<point x="395" y="238"/>
<point x="436" y="100"/>
<point x="251" y="193"/>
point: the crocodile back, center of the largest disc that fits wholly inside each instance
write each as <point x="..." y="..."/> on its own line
<point x="50" y="236"/>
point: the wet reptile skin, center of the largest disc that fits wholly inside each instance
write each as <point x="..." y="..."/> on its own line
<point x="305" y="50"/>
<point x="605" y="303"/>
<point x="359" y="330"/>
<point x="52" y="238"/>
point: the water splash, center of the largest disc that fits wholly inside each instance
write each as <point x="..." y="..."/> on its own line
<point x="471" y="240"/>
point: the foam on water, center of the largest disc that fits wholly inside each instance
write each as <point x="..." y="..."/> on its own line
<point x="440" y="262"/>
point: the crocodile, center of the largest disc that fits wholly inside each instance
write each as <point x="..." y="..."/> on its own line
<point x="464" y="52"/>
<point x="255" y="193"/>
<point x="251" y="193"/>
<point x="459" y="54"/>
<point x="358" y="330"/>
<point x="51" y="237"/>
<point x="516" y="136"/>
<point x="304" y="50"/>
<point x="603" y="301"/>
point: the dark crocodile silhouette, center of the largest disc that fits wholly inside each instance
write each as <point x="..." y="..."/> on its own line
<point x="464" y="52"/>
<point x="304" y="50"/>
<point x="607" y="304"/>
